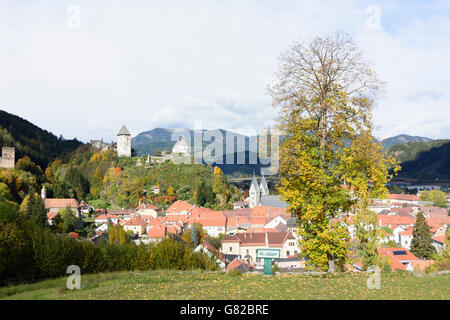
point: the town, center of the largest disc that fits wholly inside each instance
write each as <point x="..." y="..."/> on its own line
<point x="260" y="221"/>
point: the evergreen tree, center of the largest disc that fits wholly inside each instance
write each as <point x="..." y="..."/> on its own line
<point x="194" y="235"/>
<point x="34" y="209"/>
<point x="69" y="220"/>
<point x="421" y="244"/>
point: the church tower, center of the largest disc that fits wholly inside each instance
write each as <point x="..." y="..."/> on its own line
<point x="254" y="193"/>
<point x="124" y="142"/>
<point x="263" y="188"/>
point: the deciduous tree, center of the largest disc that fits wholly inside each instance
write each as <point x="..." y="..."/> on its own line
<point x="325" y="91"/>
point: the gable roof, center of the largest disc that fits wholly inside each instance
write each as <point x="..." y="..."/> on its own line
<point x="180" y="206"/>
<point x="60" y="203"/>
<point x="404" y="197"/>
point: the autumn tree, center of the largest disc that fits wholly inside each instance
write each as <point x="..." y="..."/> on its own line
<point x="439" y="198"/>
<point x="325" y="91"/>
<point x="367" y="236"/>
<point x="421" y="243"/>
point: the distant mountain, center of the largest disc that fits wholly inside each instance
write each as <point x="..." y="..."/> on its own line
<point x="160" y="138"/>
<point x="30" y="140"/>
<point x="402" y="139"/>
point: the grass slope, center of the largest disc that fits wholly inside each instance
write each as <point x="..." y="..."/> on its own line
<point x="196" y="285"/>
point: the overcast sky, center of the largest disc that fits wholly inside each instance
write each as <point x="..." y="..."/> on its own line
<point x="167" y="64"/>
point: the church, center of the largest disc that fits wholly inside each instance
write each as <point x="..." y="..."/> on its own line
<point x="257" y="191"/>
<point x="259" y="195"/>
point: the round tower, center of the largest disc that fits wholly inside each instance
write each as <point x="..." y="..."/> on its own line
<point x="124" y="142"/>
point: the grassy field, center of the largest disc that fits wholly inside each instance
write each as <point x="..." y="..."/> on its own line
<point x="174" y="285"/>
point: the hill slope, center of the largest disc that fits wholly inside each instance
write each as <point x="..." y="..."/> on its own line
<point x="28" y="139"/>
<point x="195" y="285"/>
<point x="425" y="161"/>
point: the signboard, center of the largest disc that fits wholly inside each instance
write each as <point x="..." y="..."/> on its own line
<point x="268" y="253"/>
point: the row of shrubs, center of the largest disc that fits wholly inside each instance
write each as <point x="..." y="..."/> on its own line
<point x="27" y="250"/>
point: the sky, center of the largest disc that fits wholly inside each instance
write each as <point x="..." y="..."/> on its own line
<point x="84" y="68"/>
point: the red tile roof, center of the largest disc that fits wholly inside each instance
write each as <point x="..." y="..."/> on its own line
<point x="396" y="260"/>
<point x="156" y="232"/>
<point x="180" y="206"/>
<point x="404" y="197"/>
<point x="60" y="203"/>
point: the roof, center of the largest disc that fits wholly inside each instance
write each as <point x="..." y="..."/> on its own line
<point x="157" y="231"/>
<point x="180" y="206"/>
<point x="135" y="221"/>
<point x="74" y="235"/>
<point x="273" y="201"/>
<point x="397" y="256"/>
<point x="209" y="218"/>
<point x="240" y="265"/>
<point x="274" y="239"/>
<point x="404" y="197"/>
<point x="440" y="239"/>
<point x="407" y="232"/>
<point x="52" y="215"/>
<point x="254" y="184"/>
<point x="124" y="131"/>
<point x="60" y="203"/>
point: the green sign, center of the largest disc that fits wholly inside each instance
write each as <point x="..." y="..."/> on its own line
<point x="268" y="266"/>
<point x="268" y="253"/>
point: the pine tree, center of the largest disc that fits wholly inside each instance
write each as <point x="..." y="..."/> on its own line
<point x="194" y="235"/>
<point x="421" y="244"/>
<point x="34" y="209"/>
<point x="69" y="220"/>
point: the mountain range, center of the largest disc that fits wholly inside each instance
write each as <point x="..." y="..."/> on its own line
<point x="421" y="158"/>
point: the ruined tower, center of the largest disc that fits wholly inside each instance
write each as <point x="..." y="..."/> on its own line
<point x="8" y="158"/>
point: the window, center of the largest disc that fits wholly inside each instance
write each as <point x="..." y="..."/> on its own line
<point x="247" y="251"/>
<point x="287" y="253"/>
<point x="231" y="249"/>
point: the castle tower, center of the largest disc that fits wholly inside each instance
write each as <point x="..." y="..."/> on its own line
<point x="263" y="188"/>
<point x="124" y="142"/>
<point x="255" y="194"/>
<point x="8" y="158"/>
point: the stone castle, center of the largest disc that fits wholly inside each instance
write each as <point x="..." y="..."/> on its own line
<point x="8" y="158"/>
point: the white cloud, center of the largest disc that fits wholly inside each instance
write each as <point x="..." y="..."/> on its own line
<point x="168" y="64"/>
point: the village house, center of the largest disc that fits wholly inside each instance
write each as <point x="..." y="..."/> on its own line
<point x="213" y="222"/>
<point x="244" y="245"/>
<point x="399" y="257"/>
<point x="402" y="199"/>
<point x="147" y="210"/>
<point x="211" y="251"/>
<point x="180" y="207"/>
<point x="136" y="225"/>
<point x="106" y="218"/>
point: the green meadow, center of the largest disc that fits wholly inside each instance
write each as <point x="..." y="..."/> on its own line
<point x="198" y="285"/>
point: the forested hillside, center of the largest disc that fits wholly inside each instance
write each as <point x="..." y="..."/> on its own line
<point x="425" y="161"/>
<point x="29" y="140"/>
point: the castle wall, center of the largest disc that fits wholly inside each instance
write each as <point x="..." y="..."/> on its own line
<point x="8" y="158"/>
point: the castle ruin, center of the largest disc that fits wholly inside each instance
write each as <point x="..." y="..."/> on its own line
<point x="8" y="158"/>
